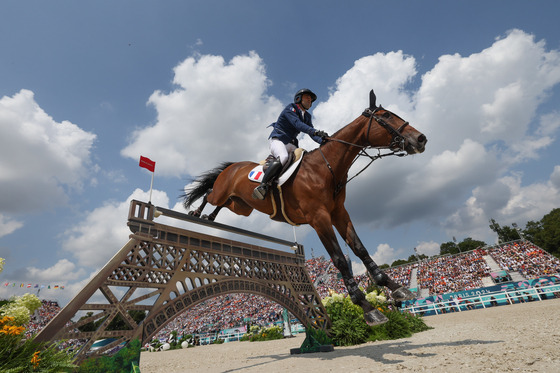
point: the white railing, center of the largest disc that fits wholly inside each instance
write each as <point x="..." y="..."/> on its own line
<point x="486" y="300"/>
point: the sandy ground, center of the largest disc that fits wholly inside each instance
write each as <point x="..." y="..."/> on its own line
<point x="516" y="338"/>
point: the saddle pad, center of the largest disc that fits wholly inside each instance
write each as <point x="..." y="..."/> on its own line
<point x="256" y="174"/>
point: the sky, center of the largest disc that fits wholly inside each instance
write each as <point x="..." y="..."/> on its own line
<point x="87" y="88"/>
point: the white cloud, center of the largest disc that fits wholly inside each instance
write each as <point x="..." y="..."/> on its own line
<point x="386" y="74"/>
<point x="488" y="96"/>
<point x="218" y="112"/>
<point x="428" y="248"/>
<point x="479" y="115"/>
<point x="478" y="112"/>
<point x="8" y="225"/>
<point x="40" y="159"/>
<point x="63" y="269"/>
<point x="507" y="201"/>
<point x="104" y="231"/>
<point x="385" y="254"/>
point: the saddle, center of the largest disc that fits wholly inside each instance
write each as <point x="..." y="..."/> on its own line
<point x="287" y="171"/>
<point x="257" y="173"/>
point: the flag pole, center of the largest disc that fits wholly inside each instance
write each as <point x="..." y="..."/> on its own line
<point x="150" y="165"/>
<point x="151" y="187"/>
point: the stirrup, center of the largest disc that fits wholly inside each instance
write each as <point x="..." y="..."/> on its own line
<point x="259" y="192"/>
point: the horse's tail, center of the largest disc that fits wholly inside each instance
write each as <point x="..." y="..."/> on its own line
<point x="202" y="184"/>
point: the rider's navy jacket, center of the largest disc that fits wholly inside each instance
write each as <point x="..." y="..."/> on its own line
<point x="290" y="123"/>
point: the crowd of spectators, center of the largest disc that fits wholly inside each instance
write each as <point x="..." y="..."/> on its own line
<point x="402" y="273"/>
<point x="530" y="260"/>
<point x="41" y="317"/>
<point x="447" y="274"/>
<point x="443" y="274"/>
<point x="225" y="312"/>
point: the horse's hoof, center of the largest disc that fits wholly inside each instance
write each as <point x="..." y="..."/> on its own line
<point x="193" y="213"/>
<point x="402" y="294"/>
<point x="375" y="317"/>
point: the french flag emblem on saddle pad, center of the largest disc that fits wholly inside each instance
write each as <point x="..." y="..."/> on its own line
<point x="256" y="174"/>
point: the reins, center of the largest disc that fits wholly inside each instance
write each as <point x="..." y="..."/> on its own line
<point x="397" y="142"/>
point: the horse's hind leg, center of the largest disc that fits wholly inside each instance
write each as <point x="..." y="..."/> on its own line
<point x="198" y="211"/>
<point x="213" y="215"/>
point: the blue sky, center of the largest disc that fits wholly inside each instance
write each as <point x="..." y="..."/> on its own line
<point x="85" y="89"/>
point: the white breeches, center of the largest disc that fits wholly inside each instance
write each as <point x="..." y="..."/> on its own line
<point x="280" y="150"/>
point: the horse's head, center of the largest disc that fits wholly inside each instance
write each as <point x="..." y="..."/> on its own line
<point x="401" y="135"/>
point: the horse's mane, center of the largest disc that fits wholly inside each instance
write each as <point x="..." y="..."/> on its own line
<point x="334" y="135"/>
<point x="202" y="184"/>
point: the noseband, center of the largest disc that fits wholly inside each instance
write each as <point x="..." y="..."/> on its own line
<point x="397" y="145"/>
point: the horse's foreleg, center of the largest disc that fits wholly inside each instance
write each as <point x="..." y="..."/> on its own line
<point x="371" y="315"/>
<point x="346" y="229"/>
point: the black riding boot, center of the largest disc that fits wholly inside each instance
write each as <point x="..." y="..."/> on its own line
<point x="271" y="172"/>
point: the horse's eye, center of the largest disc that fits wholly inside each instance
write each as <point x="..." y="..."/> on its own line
<point x="386" y="115"/>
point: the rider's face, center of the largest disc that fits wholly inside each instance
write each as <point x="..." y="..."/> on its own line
<point x="306" y="101"/>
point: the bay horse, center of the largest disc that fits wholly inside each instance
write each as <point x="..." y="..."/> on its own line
<point x="315" y="195"/>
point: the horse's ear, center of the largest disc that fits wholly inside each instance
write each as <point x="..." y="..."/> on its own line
<point x="372" y="100"/>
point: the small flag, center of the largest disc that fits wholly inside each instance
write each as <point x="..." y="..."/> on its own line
<point x="28" y="285"/>
<point x="147" y="163"/>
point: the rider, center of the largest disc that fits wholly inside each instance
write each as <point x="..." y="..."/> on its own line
<point x="283" y="140"/>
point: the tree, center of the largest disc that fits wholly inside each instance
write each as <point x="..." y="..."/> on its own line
<point x="448" y="248"/>
<point x="505" y="233"/>
<point x="531" y="232"/>
<point x="117" y="323"/>
<point x="546" y="233"/>
<point x="398" y="262"/>
<point x="468" y="244"/>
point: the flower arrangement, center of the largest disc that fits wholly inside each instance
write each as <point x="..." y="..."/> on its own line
<point x="259" y="333"/>
<point x="18" y="354"/>
<point x="349" y="327"/>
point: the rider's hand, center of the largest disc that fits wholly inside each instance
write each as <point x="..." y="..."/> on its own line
<point x="321" y="134"/>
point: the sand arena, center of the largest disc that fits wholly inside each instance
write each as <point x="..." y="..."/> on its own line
<point x="516" y="338"/>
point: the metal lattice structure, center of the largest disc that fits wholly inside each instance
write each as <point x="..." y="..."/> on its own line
<point x="165" y="270"/>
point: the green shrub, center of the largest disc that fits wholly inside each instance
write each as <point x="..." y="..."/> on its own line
<point x="320" y="336"/>
<point x="349" y="327"/>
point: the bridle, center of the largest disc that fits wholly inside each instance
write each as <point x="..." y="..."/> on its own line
<point x="397" y="145"/>
<point x="397" y="141"/>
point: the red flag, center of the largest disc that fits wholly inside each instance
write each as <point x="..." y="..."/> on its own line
<point x="147" y="163"/>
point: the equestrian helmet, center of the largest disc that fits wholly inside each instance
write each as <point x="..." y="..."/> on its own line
<point x="300" y="93"/>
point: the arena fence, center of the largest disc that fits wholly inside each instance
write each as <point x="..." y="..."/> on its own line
<point x="526" y="291"/>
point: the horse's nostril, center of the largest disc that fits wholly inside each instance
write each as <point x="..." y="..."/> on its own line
<point x="422" y="139"/>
